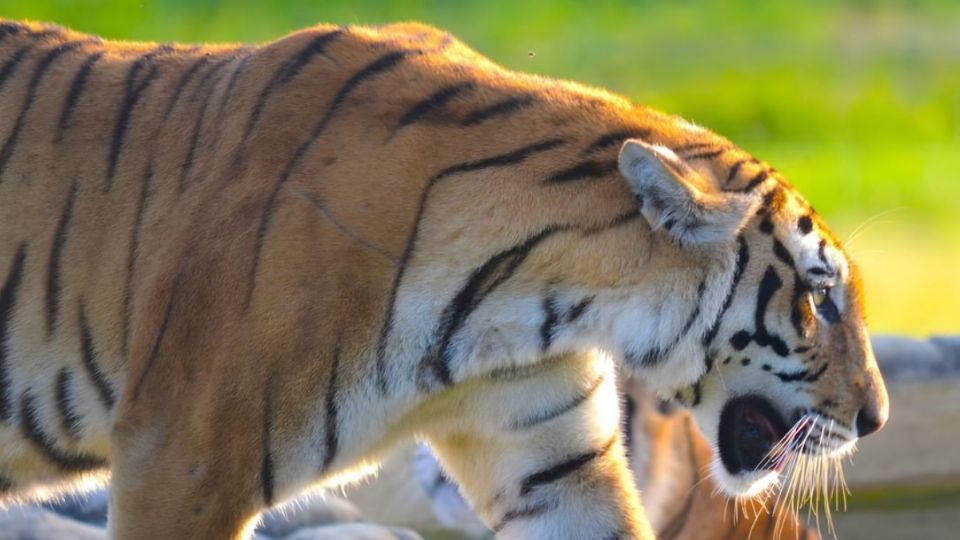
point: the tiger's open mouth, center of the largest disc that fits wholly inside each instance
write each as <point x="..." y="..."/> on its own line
<point x="750" y="427"/>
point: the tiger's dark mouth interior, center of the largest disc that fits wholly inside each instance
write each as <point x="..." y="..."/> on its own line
<point x="749" y="427"/>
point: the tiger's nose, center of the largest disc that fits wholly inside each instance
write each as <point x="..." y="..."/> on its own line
<point x="870" y="420"/>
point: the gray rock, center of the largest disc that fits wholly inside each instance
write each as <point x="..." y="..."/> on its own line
<point x="310" y="512"/>
<point x="90" y="508"/>
<point x="905" y="359"/>
<point x="35" y="523"/>
<point x="354" y="531"/>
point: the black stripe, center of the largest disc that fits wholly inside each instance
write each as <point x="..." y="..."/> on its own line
<point x="754" y="182"/>
<point x="815" y="376"/>
<point x="433" y="103"/>
<point x="629" y="413"/>
<point x="735" y="168"/>
<point x="769" y="285"/>
<point x="11" y="64"/>
<point x="587" y="170"/>
<point x="650" y="357"/>
<point x="330" y="425"/>
<point x="697" y="388"/>
<point x="783" y="254"/>
<point x="793" y="376"/>
<point x="9" y="28"/>
<point x="378" y="66"/>
<point x="709" y="154"/>
<point x="73" y="95"/>
<point x="56" y="260"/>
<point x="578" y="399"/>
<point x="526" y="512"/>
<point x="766" y="224"/>
<point x="6" y="484"/>
<point x="614" y="138"/>
<point x="231" y="84"/>
<point x="550" y="320"/>
<point x="481" y="283"/>
<point x="509" y="158"/>
<point x="563" y="469"/>
<point x="796" y="314"/>
<point x="8" y="301"/>
<point x="69" y="420"/>
<point x="684" y="148"/>
<point x="184" y="81"/>
<point x="132" y="254"/>
<point x="266" y="466"/>
<point x="134" y="87"/>
<point x="743" y="257"/>
<point x="695" y="314"/>
<point x="7" y="151"/>
<point x="504" y="107"/>
<point x="31" y="430"/>
<point x="316" y="46"/>
<point x="88" y="354"/>
<point x="211" y="77"/>
<point x="578" y="309"/>
<point x="157" y="341"/>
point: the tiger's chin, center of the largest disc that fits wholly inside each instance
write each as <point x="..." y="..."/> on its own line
<point x="746" y="484"/>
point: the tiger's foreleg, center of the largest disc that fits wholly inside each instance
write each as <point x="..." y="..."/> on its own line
<point x="194" y="471"/>
<point x="539" y="455"/>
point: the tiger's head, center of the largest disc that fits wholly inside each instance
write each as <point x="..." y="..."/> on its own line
<point x="788" y="373"/>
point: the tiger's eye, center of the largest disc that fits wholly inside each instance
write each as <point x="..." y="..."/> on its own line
<point x="819" y="295"/>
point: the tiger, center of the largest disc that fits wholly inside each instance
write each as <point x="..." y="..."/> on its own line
<point x="232" y="273"/>
<point x="669" y="459"/>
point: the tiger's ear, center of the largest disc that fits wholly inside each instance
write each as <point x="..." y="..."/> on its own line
<point x="674" y="197"/>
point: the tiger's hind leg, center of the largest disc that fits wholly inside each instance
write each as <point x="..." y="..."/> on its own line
<point x="539" y="455"/>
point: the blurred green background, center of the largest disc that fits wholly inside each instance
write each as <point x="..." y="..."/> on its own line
<point x="857" y="103"/>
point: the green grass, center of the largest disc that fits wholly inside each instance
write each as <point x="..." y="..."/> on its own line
<point x="858" y="104"/>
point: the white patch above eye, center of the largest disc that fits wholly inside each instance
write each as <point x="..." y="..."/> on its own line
<point x="822" y="266"/>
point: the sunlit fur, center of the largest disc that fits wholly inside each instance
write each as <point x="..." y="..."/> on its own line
<point x="670" y="460"/>
<point x="233" y="273"/>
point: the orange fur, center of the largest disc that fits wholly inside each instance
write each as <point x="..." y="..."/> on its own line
<point x="217" y="260"/>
